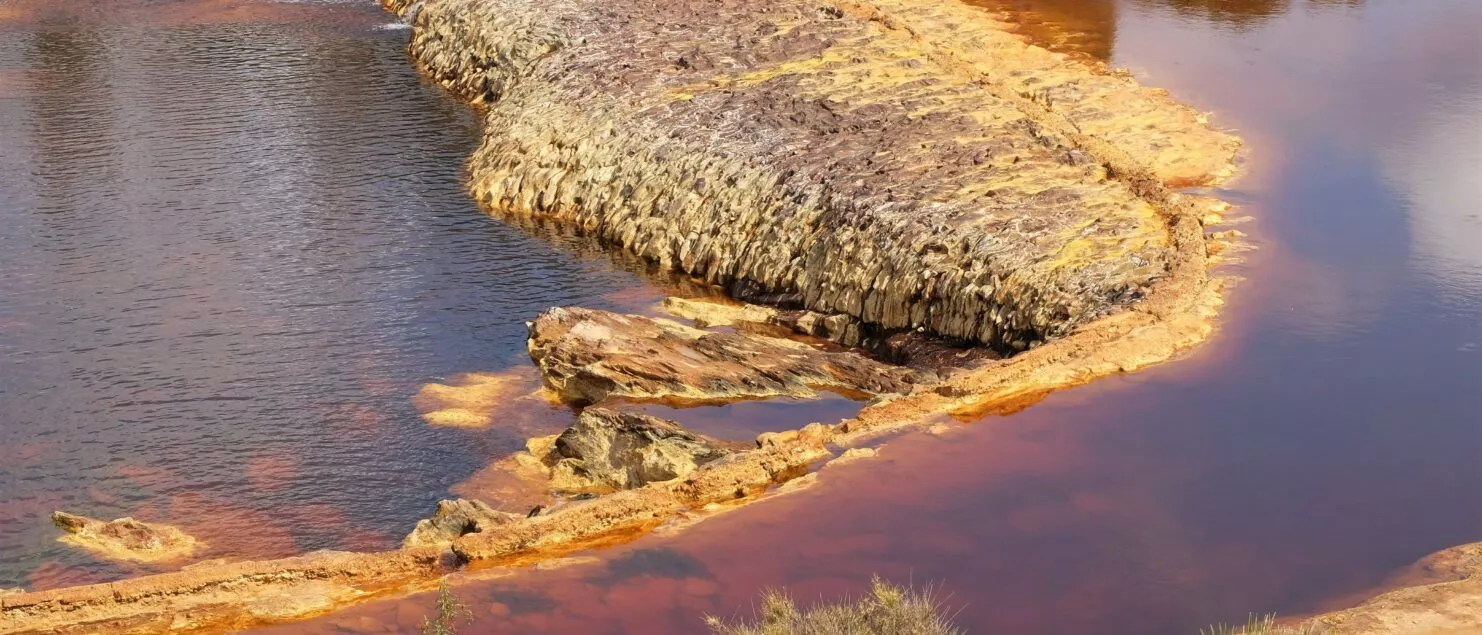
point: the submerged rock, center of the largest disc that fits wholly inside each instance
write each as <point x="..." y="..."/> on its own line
<point x="454" y="519"/>
<point x="125" y="538"/>
<point x="586" y="355"/>
<point x="608" y="449"/>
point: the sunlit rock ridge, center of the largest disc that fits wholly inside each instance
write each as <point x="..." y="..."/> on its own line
<point x="913" y="165"/>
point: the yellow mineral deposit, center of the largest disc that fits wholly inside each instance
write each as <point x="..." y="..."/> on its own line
<point x="478" y="400"/>
<point x="125" y="539"/>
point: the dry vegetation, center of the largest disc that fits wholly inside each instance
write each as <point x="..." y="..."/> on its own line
<point x="887" y="610"/>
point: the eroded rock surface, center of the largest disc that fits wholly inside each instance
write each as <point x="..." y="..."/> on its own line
<point x="586" y="355"/>
<point x="910" y="164"/>
<point x="613" y="450"/>
<point x="454" y="519"/>
<point x="125" y="538"/>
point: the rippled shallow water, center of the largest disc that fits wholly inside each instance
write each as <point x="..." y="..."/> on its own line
<point x="234" y="244"/>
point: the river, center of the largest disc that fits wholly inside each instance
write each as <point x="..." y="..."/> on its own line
<point x="234" y="243"/>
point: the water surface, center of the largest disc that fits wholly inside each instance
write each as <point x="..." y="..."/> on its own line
<point x="1328" y="435"/>
<point x="234" y="242"/>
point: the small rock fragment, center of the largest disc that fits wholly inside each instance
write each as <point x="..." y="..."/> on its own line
<point x="454" y="519"/>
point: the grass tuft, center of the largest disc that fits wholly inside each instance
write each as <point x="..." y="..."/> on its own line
<point x="887" y="610"/>
<point x="1259" y="626"/>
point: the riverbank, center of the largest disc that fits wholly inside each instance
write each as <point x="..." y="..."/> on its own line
<point x="894" y="168"/>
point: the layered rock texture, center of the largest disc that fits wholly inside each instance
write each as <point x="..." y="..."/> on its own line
<point x="910" y="164"/>
<point x="610" y="450"/>
<point x="124" y="539"/>
<point x="586" y="356"/>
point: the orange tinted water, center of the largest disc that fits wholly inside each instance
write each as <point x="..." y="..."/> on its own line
<point x="234" y="244"/>
<point x="1331" y="432"/>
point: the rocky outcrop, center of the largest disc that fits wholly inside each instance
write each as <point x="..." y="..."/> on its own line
<point x="125" y="538"/>
<point x="454" y="519"/>
<point x="587" y="355"/>
<point x="612" y="450"/>
<point x="910" y="164"/>
<point x="1440" y="595"/>
<point x="218" y="598"/>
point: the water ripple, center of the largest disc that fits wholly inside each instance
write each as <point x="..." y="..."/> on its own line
<point x="234" y="245"/>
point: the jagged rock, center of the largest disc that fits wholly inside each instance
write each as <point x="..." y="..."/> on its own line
<point x="586" y="355"/>
<point x="125" y="538"/>
<point x="10" y="592"/>
<point x="453" y="519"/>
<point x="608" y="449"/>
<point x="909" y="164"/>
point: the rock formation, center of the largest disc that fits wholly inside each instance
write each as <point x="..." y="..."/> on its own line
<point x="612" y="450"/>
<point x="910" y="164"/>
<point x="587" y="355"/>
<point x="125" y="538"/>
<point x="884" y="166"/>
<point x="454" y="519"/>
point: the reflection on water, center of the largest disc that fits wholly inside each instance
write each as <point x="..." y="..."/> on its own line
<point x="235" y="244"/>
<point x="1329" y="436"/>
<point x="1436" y="164"/>
<point x="235" y="248"/>
<point x="1086" y="27"/>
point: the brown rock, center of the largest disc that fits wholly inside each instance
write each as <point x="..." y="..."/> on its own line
<point x="125" y="538"/>
<point x="453" y="519"/>
<point x="612" y="450"/>
<point x="587" y="355"/>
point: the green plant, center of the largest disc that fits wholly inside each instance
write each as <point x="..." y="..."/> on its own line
<point x="450" y="613"/>
<point x="1259" y="626"/>
<point x="887" y="610"/>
